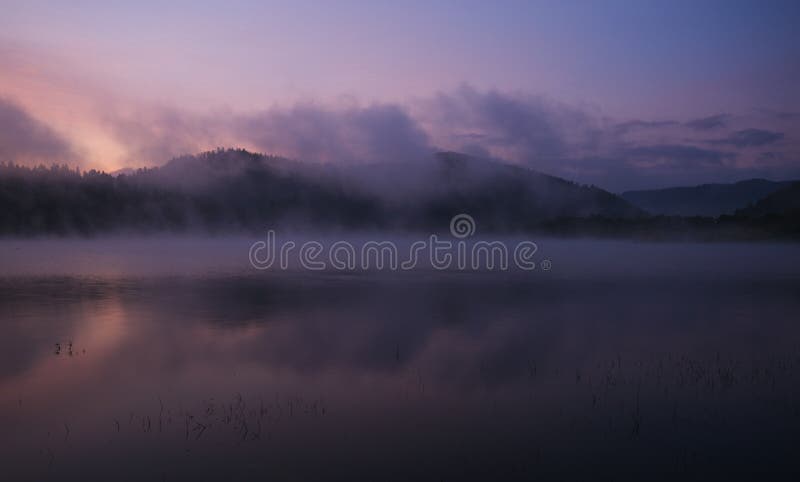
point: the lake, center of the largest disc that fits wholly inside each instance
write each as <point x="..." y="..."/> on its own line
<point x="174" y="359"/>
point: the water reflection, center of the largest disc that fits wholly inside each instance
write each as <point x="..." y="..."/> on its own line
<point x="422" y="376"/>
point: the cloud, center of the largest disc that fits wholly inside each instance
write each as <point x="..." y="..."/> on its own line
<point x="307" y="131"/>
<point x="675" y="155"/>
<point x="574" y="141"/>
<point x="26" y="140"/>
<point x="532" y="129"/>
<point x="578" y="142"/>
<point x="379" y="132"/>
<point x="708" y="123"/>
<point x="155" y="134"/>
<point x="628" y="126"/>
<point x="750" y="138"/>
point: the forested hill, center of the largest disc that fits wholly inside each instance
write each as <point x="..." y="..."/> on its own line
<point x="703" y="200"/>
<point x="233" y="189"/>
<point x="783" y="202"/>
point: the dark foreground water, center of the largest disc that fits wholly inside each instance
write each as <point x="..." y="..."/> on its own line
<point x="159" y="361"/>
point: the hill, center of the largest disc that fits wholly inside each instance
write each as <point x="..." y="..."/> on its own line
<point x="233" y="189"/>
<point x="705" y="200"/>
<point x="781" y="202"/>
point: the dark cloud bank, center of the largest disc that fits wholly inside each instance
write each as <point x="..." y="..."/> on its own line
<point x="25" y="139"/>
<point x="750" y="138"/>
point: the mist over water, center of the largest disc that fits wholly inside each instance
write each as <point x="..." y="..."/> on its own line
<point x="189" y="256"/>
<point x="169" y="358"/>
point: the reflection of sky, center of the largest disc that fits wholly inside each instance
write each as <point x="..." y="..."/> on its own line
<point x="432" y="370"/>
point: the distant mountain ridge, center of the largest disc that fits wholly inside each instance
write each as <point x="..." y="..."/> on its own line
<point x="704" y="200"/>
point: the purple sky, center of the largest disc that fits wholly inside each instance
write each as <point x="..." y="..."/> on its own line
<point x="621" y="94"/>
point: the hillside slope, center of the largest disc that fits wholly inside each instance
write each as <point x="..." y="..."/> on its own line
<point x="704" y="200"/>
<point x="226" y="190"/>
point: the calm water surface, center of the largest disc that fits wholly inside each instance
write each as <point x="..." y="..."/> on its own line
<point x="173" y="360"/>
